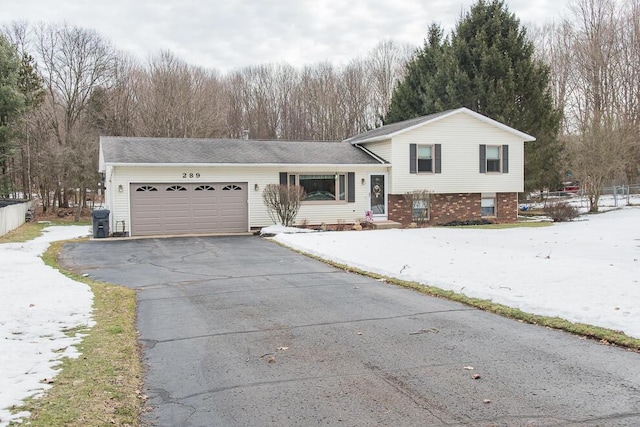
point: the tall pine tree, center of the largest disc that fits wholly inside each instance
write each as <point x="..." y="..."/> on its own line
<point x="488" y="66"/>
<point x="425" y="88"/>
<point x="12" y="103"/>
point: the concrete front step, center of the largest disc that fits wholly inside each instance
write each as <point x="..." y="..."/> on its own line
<point x="385" y="225"/>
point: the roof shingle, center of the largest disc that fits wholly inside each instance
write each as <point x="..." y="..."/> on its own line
<point x="381" y="132"/>
<point x="232" y="151"/>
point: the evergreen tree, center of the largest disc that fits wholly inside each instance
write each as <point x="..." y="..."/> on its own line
<point x="425" y="88"/>
<point x="12" y="103"/>
<point x="487" y="66"/>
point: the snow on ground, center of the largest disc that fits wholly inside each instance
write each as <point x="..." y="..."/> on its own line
<point x="584" y="271"/>
<point x="37" y="304"/>
<point x="279" y="228"/>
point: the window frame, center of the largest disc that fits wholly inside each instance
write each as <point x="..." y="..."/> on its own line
<point x="340" y="180"/>
<point x="431" y="159"/>
<point x="426" y="208"/>
<point x="502" y="160"/>
<point x="494" y="213"/>
<point x="498" y="160"/>
<point x="436" y="159"/>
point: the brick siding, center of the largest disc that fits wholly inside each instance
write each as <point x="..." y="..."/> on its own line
<point x="455" y="207"/>
<point x="399" y="210"/>
<point x="507" y="206"/>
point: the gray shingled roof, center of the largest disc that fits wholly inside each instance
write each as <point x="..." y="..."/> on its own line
<point x="186" y="150"/>
<point x="386" y="130"/>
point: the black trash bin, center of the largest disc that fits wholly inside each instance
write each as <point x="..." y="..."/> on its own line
<point x="100" y="223"/>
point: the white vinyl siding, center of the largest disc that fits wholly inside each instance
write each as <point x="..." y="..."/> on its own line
<point x="460" y="136"/>
<point x="119" y="202"/>
<point x="381" y="149"/>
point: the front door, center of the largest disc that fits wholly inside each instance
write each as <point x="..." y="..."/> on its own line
<point x="378" y="196"/>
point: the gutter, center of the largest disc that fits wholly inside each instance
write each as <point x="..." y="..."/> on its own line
<point x="372" y="154"/>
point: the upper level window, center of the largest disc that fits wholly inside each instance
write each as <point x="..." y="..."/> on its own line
<point x="425" y="158"/>
<point x="493" y="158"/>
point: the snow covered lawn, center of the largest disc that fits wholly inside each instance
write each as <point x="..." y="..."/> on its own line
<point x="37" y="304"/>
<point x="584" y="271"/>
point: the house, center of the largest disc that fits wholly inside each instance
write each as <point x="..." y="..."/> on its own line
<point x="472" y="166"/>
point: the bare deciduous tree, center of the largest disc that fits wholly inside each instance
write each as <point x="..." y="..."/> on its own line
<point x="74" y="62"/>
<point x="594" y="57"/>
<point x="176" y="100"/>
<point x="283" y="202"/>
<point x="91" y="90"/>
<point x="386" y="64"/>
<point x="418" y="201"/>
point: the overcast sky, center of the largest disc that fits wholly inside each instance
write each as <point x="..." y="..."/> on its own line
<point x="229" y="34"/>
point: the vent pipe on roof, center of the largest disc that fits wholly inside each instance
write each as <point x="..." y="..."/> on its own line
<point x="245" y="134"/>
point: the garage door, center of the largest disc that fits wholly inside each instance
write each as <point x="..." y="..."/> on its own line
<point x="169" y="209"/>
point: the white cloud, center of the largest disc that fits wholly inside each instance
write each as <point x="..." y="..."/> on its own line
<point x="231" y="34"/>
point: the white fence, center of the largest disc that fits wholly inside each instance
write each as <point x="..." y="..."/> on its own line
<point x="13" y="216"/>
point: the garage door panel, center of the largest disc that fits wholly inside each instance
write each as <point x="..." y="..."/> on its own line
<point x="179" y="208"/>
<point x="177" y="228"/>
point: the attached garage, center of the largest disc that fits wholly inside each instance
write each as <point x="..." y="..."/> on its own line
<point x="188" y="208"/>
<point x="173" y="186"/>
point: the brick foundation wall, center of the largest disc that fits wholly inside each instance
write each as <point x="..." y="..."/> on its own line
<point x="507" y="207"/>
<point x="399" y="210"/>
<point x="455" y="207"/>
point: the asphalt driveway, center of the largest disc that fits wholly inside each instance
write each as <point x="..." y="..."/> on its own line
<point x="238" y="331"/>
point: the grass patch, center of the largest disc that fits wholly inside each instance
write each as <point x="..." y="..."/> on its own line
<point x="26" y="232"/>
<point x="31" y="230"/>
<point x="603" y="335"/>
<point x="102" y="386"/>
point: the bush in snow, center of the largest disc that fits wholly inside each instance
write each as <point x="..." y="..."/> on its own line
<point x="561" y="211"/>
<point x="283" y="202"/>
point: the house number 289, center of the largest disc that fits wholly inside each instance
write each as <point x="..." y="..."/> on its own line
<point x="191" y="175"/>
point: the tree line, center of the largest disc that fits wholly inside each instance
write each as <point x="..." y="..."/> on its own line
<point x="79" y="87"/>
<point x="571" y="84"/>
<point x="594" y="61"/>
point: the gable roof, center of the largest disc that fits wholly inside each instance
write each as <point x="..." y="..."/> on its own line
<point x="138" y="150"/>
<point x="393" y="129"/>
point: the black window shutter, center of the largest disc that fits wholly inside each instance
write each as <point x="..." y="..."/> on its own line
<point x="351" y="187"/>
<point x="413" y="154"/>
<point x="283" y="178"/>
<point x="505" y="159"/>
<point x="438" y="168"/>
<point x="483" y="158"/>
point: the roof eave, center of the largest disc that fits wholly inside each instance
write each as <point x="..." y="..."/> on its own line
<point x="137" y="164"/>
<point x="525" y="137"/>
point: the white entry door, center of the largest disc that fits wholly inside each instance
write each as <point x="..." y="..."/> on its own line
<point x="378" y="196"/>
